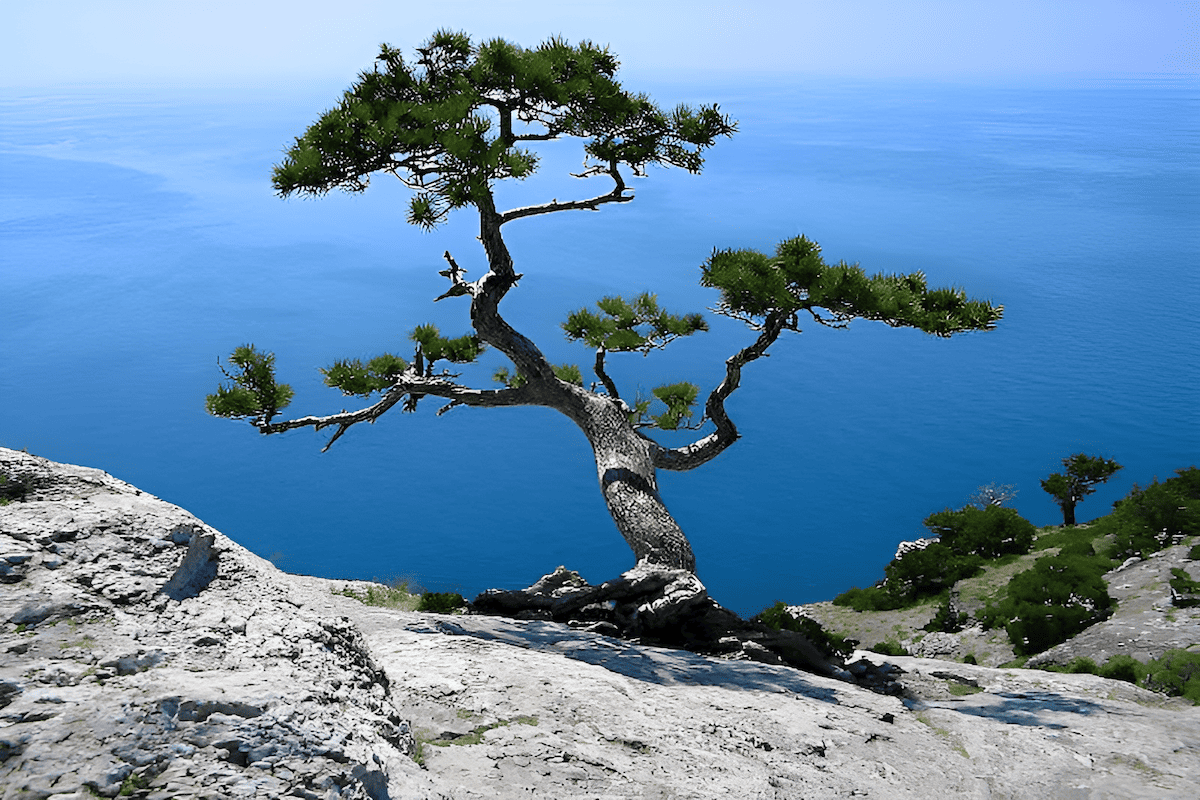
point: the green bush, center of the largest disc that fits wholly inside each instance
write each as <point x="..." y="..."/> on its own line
<point x="947" y="619"/>
<point x="1075" y="665"/>
<point x="1147" y="520"/>
<point x="1078" y="548"/>
<point x="889" y="648"/>
<point x="1048" y="604"/>
<point x="928" y="571"/>
<point x="1176" y="673"/>
<point x="1194" y="553"/>
<point x="1123" y="668"/>
<point x="990" y="532"/>
<point x="441" y="602"/>
<point x="778" y="617"/>
<point x="873" y="598"/>
<point x="1187" y="591"/>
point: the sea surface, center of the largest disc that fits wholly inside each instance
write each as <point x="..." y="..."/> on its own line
<point x="140" y="242"/>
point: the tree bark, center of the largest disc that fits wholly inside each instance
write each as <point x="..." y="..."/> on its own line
<point x="624" y="458"/>
<point x="625" y="469"/>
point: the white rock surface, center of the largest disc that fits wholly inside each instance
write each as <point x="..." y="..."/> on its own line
<point x="141" y="648"/>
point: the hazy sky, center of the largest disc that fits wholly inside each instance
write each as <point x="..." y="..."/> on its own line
<point x="62" y="42"/>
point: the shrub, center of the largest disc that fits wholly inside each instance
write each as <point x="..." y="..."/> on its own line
<point x="1147" y="520"/>
<point x="928" y="571"/>
<point x="1123" y="668"/>
<point x="779" y="618"/>
<point x="873" y="598"/>
<point x="1075" y="665"/>
<point x="1176" y="673"/>
<point x="990" y="532"/>
<point x="1185" y="590"/>
<point x="948" y="619"/>
<point x="1050" y="603"/>
<point x="1078" y="548"/>
<point x="441" y="602"/>
<point x="1194" y="553"/>
<point x="889" y="648"/>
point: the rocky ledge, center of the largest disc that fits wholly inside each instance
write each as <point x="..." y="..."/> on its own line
<point x="145" y="654"/>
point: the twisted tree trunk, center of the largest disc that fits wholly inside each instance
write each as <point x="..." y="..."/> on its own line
<point x="625" y="468"/>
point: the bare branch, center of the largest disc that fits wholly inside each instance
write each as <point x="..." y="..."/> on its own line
<point x="412" y="385"/>
<point x="455" y="273"/>
<point x="615" y="196"/>
<point x="598" y="368"/>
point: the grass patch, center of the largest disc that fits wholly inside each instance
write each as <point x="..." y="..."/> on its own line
<point x="133" y="783"/>
<point x="394" y="596"/>
<point x="474" y="736"/>
<point x="87" y="643"/>
<point x="962" y="689"/>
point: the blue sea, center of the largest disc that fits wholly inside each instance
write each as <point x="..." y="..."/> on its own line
<point x="140" y="241"/>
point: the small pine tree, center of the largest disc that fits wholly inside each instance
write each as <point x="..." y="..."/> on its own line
<point x="1083" y="473"/>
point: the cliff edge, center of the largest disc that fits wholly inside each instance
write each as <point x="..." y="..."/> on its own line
<point x="143" y="653"/>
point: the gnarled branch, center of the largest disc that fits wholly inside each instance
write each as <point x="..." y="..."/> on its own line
<point x="709" y="447"/>
<point x="412" y="385"/>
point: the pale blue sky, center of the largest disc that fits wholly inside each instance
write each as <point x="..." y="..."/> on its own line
<point x="64" y="42"/>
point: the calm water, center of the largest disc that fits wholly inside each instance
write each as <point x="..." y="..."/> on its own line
<point x="140" y="240"/>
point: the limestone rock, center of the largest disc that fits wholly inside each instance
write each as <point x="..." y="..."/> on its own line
<point x="156" y="657"/>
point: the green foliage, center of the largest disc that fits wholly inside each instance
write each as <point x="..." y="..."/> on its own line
<point x="928" y="571"/>
<point x="1149" y="519"/>
<point x="1194" y="553"/>
<point x="568" y="373"/>
<point x="680" y="399"/>
<point x="1076" y="666"/>
<point x="1082" y="474"/>
<point x="441" y="602"/>
<point x="133" y="783"/>
<point x="435" y="347"/>
<point x="873" y="598"/>
<point x="1062" y="537"/>
<point x="1048" y="604"/>
<point x="914" y="576"/>
<point x="444" y="124"/>
<point x="778" y="617"/>
<point x="1122" y="668"/>
<point x="990" y="532"/>
<point x="889" y="648"/>
<point x="355" y="378"/>
<point x="622" y="326"/>
<point x="947" y="619"/>
<point x="797" y="278"/>
<point x="1187" y="590"/>
<point x="252" y="390"/>
<point x="394" y="596"/>
<point x="1176" y="673"/>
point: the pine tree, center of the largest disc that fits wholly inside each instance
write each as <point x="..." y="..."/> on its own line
<point x="463" y="117"/>
<point x="1082" y="474"/>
